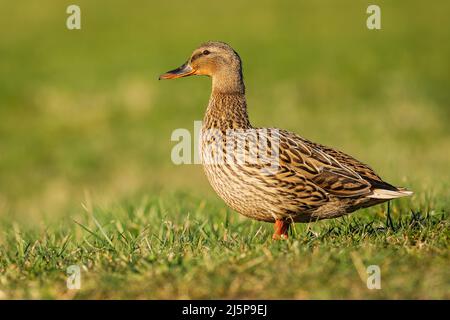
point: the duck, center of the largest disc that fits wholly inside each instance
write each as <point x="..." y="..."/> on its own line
<point x="271" y="174"/>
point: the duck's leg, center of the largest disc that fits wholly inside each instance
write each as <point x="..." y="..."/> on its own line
<point x="281" y="228"/>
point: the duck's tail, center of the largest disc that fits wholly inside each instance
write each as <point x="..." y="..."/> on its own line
<point x="389" y="194"/>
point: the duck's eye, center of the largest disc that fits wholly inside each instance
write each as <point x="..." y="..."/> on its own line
<point x="206" y="52"/>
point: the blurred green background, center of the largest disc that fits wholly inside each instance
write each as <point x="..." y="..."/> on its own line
<point x="82" y="111"/>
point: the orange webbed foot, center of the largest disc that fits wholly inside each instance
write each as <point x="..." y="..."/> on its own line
<point x="281" y="230"/>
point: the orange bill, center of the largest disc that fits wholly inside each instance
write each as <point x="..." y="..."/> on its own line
<point x="183" y="71"/>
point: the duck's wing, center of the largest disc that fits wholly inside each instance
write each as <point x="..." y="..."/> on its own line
<point x="333" y="171"/>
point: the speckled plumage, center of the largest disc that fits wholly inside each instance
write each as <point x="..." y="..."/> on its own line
<point x="309" y="182"/>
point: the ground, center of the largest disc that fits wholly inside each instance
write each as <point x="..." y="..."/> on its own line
<point x="162" y="249"/>
<point x="86" y="177"/>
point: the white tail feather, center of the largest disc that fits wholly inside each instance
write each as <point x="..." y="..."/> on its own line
<point x="389" y="194"/>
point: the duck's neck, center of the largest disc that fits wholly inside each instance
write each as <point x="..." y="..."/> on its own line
<point x="227" y="107"/>
<point x="228" y="81"/>
<point x="226" y="111"/>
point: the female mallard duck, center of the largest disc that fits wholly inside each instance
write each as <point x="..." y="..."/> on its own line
<point x="282" y="177"/>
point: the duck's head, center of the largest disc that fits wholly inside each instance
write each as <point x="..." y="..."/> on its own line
<point x="215" y="59"/>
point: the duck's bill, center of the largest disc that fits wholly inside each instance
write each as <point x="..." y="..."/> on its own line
<point x="183" y="71"/>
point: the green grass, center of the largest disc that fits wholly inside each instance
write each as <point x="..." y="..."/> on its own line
<point x="165" y="248"/>
<point x="85" y="170"/>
